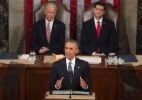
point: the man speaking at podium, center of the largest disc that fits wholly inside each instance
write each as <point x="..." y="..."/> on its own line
<point x="70" y="72"/>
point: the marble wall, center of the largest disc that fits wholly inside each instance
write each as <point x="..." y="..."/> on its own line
<point x="127" y="26"/>
<point x="16" y="26"/>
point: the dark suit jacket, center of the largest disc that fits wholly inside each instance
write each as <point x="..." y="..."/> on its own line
<point x="89" y="39"/>
<point x="59" y="70"/>
<point x="57" y="37"/>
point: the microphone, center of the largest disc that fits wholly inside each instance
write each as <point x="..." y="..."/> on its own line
<point x="70" y="81"/>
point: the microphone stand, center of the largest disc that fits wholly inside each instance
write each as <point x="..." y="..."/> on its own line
<point x="70" y="78"/>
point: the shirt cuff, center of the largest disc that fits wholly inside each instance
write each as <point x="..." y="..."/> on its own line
<point x="86" y="87"/>
<point x="56" y="87"/>
<point x="103" y="54"/>
<point x="94" y="53"/>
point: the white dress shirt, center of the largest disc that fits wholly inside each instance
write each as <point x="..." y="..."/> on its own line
<point x="96" y="24"/>
<point x="72" y="63"/>
<point x="51" y="24"/>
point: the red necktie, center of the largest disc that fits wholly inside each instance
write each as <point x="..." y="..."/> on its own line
<point x="98" y="32"/>
<point x="48" y="32"/>
<point x="98" y="29"/>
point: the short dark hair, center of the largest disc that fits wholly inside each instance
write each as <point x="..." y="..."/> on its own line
<point x="100" y="3"/>
<point x="73" y="41"/>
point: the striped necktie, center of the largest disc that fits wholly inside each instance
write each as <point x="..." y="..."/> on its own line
<point x="48" y="32"/>
<point x="69" y="67"/>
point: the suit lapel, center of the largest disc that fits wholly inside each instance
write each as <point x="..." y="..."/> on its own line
<point x="103" y="28"/>
<point x="94" y="30"/>
<point x="76" y="68"/>
<point x="54" y="27"/>
<point x="65" y="66"/>
<point x="43" y="28"/>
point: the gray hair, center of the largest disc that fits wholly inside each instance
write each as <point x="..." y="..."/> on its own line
<point x="50" y="4"/>
<point x="74" y="42"/>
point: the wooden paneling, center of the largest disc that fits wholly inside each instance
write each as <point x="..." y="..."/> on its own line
<point x="21" y="88"/>
<point x="37" y="83"/>
<point x="2" y="71"/>
<point x="106" y="83"/>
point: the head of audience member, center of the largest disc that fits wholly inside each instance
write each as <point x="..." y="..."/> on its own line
<point x="50" y="11"/>
<point x="71" y="49"/>
<point x="99" y="10"/>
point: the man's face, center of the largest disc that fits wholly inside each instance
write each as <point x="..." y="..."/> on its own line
<point x="50" y="12"/>
<point x="70" y="50"/>
<point x="98" y="12"/>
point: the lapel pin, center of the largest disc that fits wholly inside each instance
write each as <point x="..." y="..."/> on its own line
<point x="56" y="26"/>
<point x="78" y="67"/>
<point x="103" y="22"/>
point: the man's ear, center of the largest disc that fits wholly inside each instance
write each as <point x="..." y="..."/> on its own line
<point x="77" y="51"/>
<point x="44" y="12"/>
<point x="93" y="10"/>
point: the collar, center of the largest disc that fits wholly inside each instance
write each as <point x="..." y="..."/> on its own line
<point x="51" y="22"/>
<point x="73" y="61"/>
<point x="95" y="21"/>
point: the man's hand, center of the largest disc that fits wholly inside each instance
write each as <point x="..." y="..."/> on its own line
<point x="83" y="83"/>
<point x="43" y="50"/>
<point x="59" y="83"/>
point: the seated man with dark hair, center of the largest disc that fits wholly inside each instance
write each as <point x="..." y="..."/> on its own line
<point x="48" y="34"/>
<point x="61" y="70"/>
<point x="98" y="35"/>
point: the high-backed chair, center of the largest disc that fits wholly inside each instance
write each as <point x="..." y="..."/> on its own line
<point x="63" y="14"/>
<point x="110" y="13"/>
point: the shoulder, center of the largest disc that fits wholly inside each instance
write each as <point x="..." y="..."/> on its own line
<point x="80" y="61"/>
<point x="61" y="61"/>
<point x="87" y="24"/>
<point x="108" y="20"/>
<point x="39" y="21"/>
<point x="59" y="22"/>
<point x="89" y="21"/>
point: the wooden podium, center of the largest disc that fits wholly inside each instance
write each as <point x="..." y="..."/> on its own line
<point x="49" y="96"/>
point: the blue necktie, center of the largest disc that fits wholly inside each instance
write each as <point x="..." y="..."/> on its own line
<point x="69" y="67"/>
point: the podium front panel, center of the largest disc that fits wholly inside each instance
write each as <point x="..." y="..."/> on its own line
<point x="49" y="96"/>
